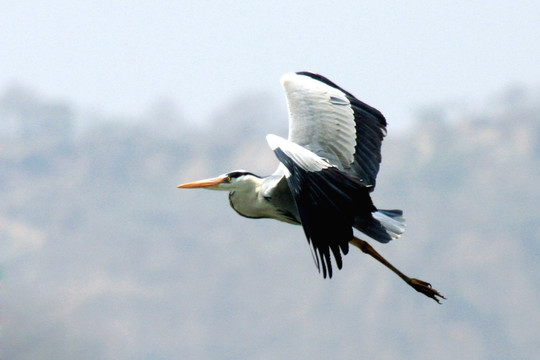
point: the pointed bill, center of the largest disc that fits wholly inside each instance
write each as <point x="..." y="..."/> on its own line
<point x="206" y="183"/>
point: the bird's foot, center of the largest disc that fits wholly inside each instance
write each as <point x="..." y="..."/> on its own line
<point x="426" y="289"/>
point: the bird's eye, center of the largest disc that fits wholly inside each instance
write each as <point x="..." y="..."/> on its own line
<point x="227" y="179"/>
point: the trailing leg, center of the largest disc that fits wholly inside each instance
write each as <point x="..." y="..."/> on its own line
<point x="419" y="285"/>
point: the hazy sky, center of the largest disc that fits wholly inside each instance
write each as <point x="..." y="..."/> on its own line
<point x="122" y="56"/>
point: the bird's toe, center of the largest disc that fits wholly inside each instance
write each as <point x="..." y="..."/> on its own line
<point x="426" y="289"/>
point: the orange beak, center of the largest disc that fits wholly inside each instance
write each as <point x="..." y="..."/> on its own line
<point x="206" y="183"/>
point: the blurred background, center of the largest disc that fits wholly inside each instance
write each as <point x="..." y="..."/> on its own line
<point x="106" y="106"/>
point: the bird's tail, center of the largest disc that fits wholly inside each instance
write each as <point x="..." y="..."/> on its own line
<point x="385" y="225"/>
<point x="392" y="220"/>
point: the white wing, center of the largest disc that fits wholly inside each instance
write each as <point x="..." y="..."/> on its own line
<point x="305" y="159"/>
<point x="320" y="118"/>
<point x="333" y="124"/>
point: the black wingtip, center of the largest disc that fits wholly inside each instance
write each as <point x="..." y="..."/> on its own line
<point x="320" y="78"/>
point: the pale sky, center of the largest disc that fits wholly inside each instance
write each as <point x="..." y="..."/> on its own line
<point x="122" y="56"/>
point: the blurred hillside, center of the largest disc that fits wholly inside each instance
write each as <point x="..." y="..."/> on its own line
<point x="102" y="257"/>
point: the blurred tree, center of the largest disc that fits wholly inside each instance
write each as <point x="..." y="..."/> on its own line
<point x="26" y="116"/>
<point x="123" y="266"/>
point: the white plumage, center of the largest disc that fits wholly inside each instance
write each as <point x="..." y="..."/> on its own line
<point x="320" y="119"/>
<point x="304" y="158"/>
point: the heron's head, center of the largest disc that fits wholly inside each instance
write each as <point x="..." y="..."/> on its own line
<point x="231" y="181"/>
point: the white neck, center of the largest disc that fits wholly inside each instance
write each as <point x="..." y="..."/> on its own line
<point x="246" y="198"/>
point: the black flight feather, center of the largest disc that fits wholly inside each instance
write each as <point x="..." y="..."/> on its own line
<point x="329" y="203"/>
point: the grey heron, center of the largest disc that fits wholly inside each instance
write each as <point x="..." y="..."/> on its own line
<point x="328" y="166"/>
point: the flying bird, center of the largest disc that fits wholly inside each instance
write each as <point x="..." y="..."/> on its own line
<point x="327" y="171"/>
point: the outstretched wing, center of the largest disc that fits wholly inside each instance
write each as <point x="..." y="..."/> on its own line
<point x="333" y="124"/>
<point x="327" y="199"/>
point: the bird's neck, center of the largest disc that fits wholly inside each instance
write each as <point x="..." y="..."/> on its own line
<point x="247" y="199"/>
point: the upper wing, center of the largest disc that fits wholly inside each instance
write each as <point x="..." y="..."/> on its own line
<point x="327" y="200"/>
<point x="333" y="124"/>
